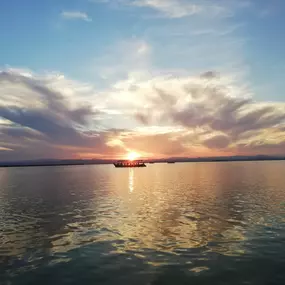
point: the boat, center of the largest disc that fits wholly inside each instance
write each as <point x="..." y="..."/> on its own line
<point x="170" y="161"/>
<point x="129" y="163"/>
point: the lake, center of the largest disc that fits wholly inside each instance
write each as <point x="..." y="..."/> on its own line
<point x="188" y="223"/>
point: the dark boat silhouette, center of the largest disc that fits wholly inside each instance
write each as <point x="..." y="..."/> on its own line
<point x="129" y="163"/>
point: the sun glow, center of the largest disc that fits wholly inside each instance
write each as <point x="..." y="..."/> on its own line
<point x="133" y="155"/>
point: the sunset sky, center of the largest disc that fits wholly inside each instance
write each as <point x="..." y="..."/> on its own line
<point x="103" y="78"/>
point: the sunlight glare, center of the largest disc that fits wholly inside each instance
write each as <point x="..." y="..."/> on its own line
<point x="133" y="155"/>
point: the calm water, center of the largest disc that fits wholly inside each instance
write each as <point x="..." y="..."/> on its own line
<point x="205" y="223"/>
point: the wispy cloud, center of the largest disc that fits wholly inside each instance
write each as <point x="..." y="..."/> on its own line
<point x="5" y="149"/>
<point x="122" y="58"/>
<point x="75" y="15"/>
<point x="170" y="8"/>
<point x="175" y="9"/>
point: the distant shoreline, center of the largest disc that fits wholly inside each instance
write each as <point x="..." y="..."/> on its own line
<point x="108" y="162"/>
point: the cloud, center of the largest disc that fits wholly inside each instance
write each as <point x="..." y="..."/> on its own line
<point x="143" y="118"/>
<point x="75" y="15"/>
<point x="20" y="132"/>
<point x="208" y="39"/>
<point x="219" y="141"/>
<point x="5" y="149"/>
<point x="176" y="9"/>
<point x="210" y="102"/>
<point x="52" y="121"/>
<point x="17" y="87"/>
<point x="50" y="116"/>
<point x="158" y="144"/>
<point x="123" y="57"/>
<point x="170" y="8"/>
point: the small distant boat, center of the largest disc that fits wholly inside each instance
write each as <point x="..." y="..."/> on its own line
<point x="170" y="161"/>
<point x="129" y="163"/>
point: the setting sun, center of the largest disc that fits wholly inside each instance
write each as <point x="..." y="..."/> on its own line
<point x="133" y="155"/>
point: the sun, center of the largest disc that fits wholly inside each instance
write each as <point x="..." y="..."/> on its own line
<point x="133" y="155"/>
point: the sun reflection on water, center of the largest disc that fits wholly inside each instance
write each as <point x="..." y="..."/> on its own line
<point x="131" y="180"/>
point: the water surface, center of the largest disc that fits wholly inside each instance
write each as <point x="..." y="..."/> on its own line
<point x="192" y="223"/>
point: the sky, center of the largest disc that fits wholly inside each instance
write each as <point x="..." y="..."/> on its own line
<point x="162" y="78"/>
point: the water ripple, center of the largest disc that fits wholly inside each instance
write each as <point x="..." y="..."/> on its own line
<point x="182" y="224"/>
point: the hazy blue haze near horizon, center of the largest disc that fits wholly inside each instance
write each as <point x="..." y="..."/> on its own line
<point x="192" y="223"/>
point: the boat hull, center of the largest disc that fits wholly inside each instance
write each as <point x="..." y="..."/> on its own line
<point x="129" y="166"/>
